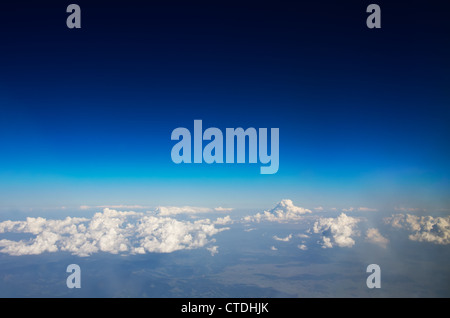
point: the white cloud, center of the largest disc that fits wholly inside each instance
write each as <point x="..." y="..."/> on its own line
<point x="213" y="250"/>
<point x="220" y="209"/>
<point x="404" y="209"/>
<point x="302" y="235"/>
<point x="360" y="209"/>
<point x="366" y="209"/>
<point x="174" y="210"/>
<point x="110" y="231"/>
<point x="396" y="220"/>
<point x="374" y="236"/>
<point x="336" y="231"/>
<point x="424" y="228"/>
<point x="283" y="239"/>
<point x="273" y="248"/>
<point x="225" y="220"/>
<point x="319" y="208"/>
<point x="284" y="211"/>
<point x="165" y="235"/>
<point x="303" y="247"/>
<point x="326" y="242"/>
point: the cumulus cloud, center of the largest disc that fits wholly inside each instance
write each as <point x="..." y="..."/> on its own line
<point x="283" y="239"/>
<point x="374" y="236"/>
<point x="213" y="250"/>
<point x="396" y="220"/>
<point x="303" y="247"/>
<point x="424" y="228"/>
<point x="110" y="231"/>
<point x="225" y="220"/>
<point x="284" y="211"/>
<point x="336" y="231"/>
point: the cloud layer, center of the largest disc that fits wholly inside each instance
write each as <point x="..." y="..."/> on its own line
<point x="110" y="231"/>
<point x="158" y="231"/>
<point x="424" y="228"/>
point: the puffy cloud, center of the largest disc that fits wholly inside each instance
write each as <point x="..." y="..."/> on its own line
<point x="39" y="225"/>
<point x="336" y="231"/>
<point x="213" y="250"/>
<point x="110" y="231"/>
<point x="326" y="242"/>
<point x="273" y="248"/>
<point x="283" y="239"/>
<point x="424" y="228"/>
<point x="284" y="211"/>
<point x="225" y="220"/>
<point x="374" y="236"/>
<point x="165" y="235"/>
<point x="303" y="247"/>
<point x="396" y="220"/>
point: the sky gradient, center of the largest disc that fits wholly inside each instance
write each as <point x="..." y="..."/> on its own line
<point x="86" y="114"/>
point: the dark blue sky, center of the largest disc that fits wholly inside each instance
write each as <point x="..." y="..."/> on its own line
<point x="86" y="114"/>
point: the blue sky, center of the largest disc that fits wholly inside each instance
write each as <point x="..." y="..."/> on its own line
<point x="87" y="114"/>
